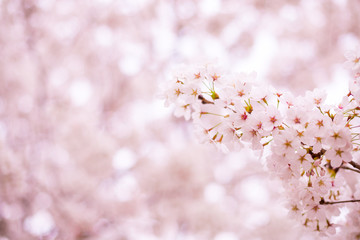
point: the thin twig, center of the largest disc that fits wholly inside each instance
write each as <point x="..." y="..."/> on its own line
<point x="323" y="202"/>
<point x="352" y="169"/>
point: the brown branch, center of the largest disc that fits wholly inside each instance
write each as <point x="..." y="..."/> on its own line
<point x="323" y="202"/>
<point x="355" y="165"/>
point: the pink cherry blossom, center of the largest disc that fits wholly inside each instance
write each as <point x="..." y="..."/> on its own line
<point x="311" y="144"/>
<point x="273" y="118"/>
<point x="317" y="96"/>
<point x="352" y="60"/>
<point x="339" y="137"/>
<point x="337" y="155"/>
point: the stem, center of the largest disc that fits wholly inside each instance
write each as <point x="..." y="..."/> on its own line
<point x="264" y="144"/>
<point x="316" y="171"/>
<point x="206" y="86"/>
<point x="226" y="107"/>
<point x="350" y="110"/>
<point x="285" y="124"/>
<point x="210" y="129"/>
<point x="355" y="136"/>
<point x="215" y="114"/>
<point x="323" y="202"/>
<point x="320" y="110"/>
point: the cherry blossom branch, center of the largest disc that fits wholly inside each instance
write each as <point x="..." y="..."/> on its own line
<point x="355" y="165"/>
<point x="323" y="202"/>
<point x="250" y="114"/>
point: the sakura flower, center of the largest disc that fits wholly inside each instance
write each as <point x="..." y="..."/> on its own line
<point x="240" y="116"/>
<point x="261" y="94"/>
<point x="238" y="86"/>
<point x="322" y="185"/>
<point x="346" y="103"/>
<point x="317" y="131"/>
<point x="183" y="109"/>
<point x="252" y="136"/>
<point x="340" y="119"/>
<point x="196" y="74"/>
<point x="214" y="73"/>
<point x="295" y="209"/>
<point x="354" y="87"/>
<point x="300" y="134"/>
<point x="257" y="121"/>
<point x="279" y="163"/>
<point x="317" y="142"/>
<point x="226" y="138"/>
<point x="316" y="97"/>
<point x="352" y="60"/>
<point x="288" y="99"/>
<point x="337" y="155"/>
<point x="315" y="211"/>
<point x="338" y="137"/>
<point x="172" y="93"/>
<point x="190" y="95"/>
<point x="297" y="116"/>
<point x="242" y="88"/>
<point x="286" y="143"/>
<point x="303" y="159"/>
<point x="273" y="118"/>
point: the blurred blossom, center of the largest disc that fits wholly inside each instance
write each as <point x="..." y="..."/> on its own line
<point x="226" y="236"/>
<point x="213" y="192"/>
<point x="80" y="92"/>
<point x="39" y="224"/>
<point x="124" y="159"/>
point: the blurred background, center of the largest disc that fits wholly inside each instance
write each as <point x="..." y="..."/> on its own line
<point x="87" y="149"/>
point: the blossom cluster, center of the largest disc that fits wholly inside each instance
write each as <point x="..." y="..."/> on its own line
<point x="311" y="143"/>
